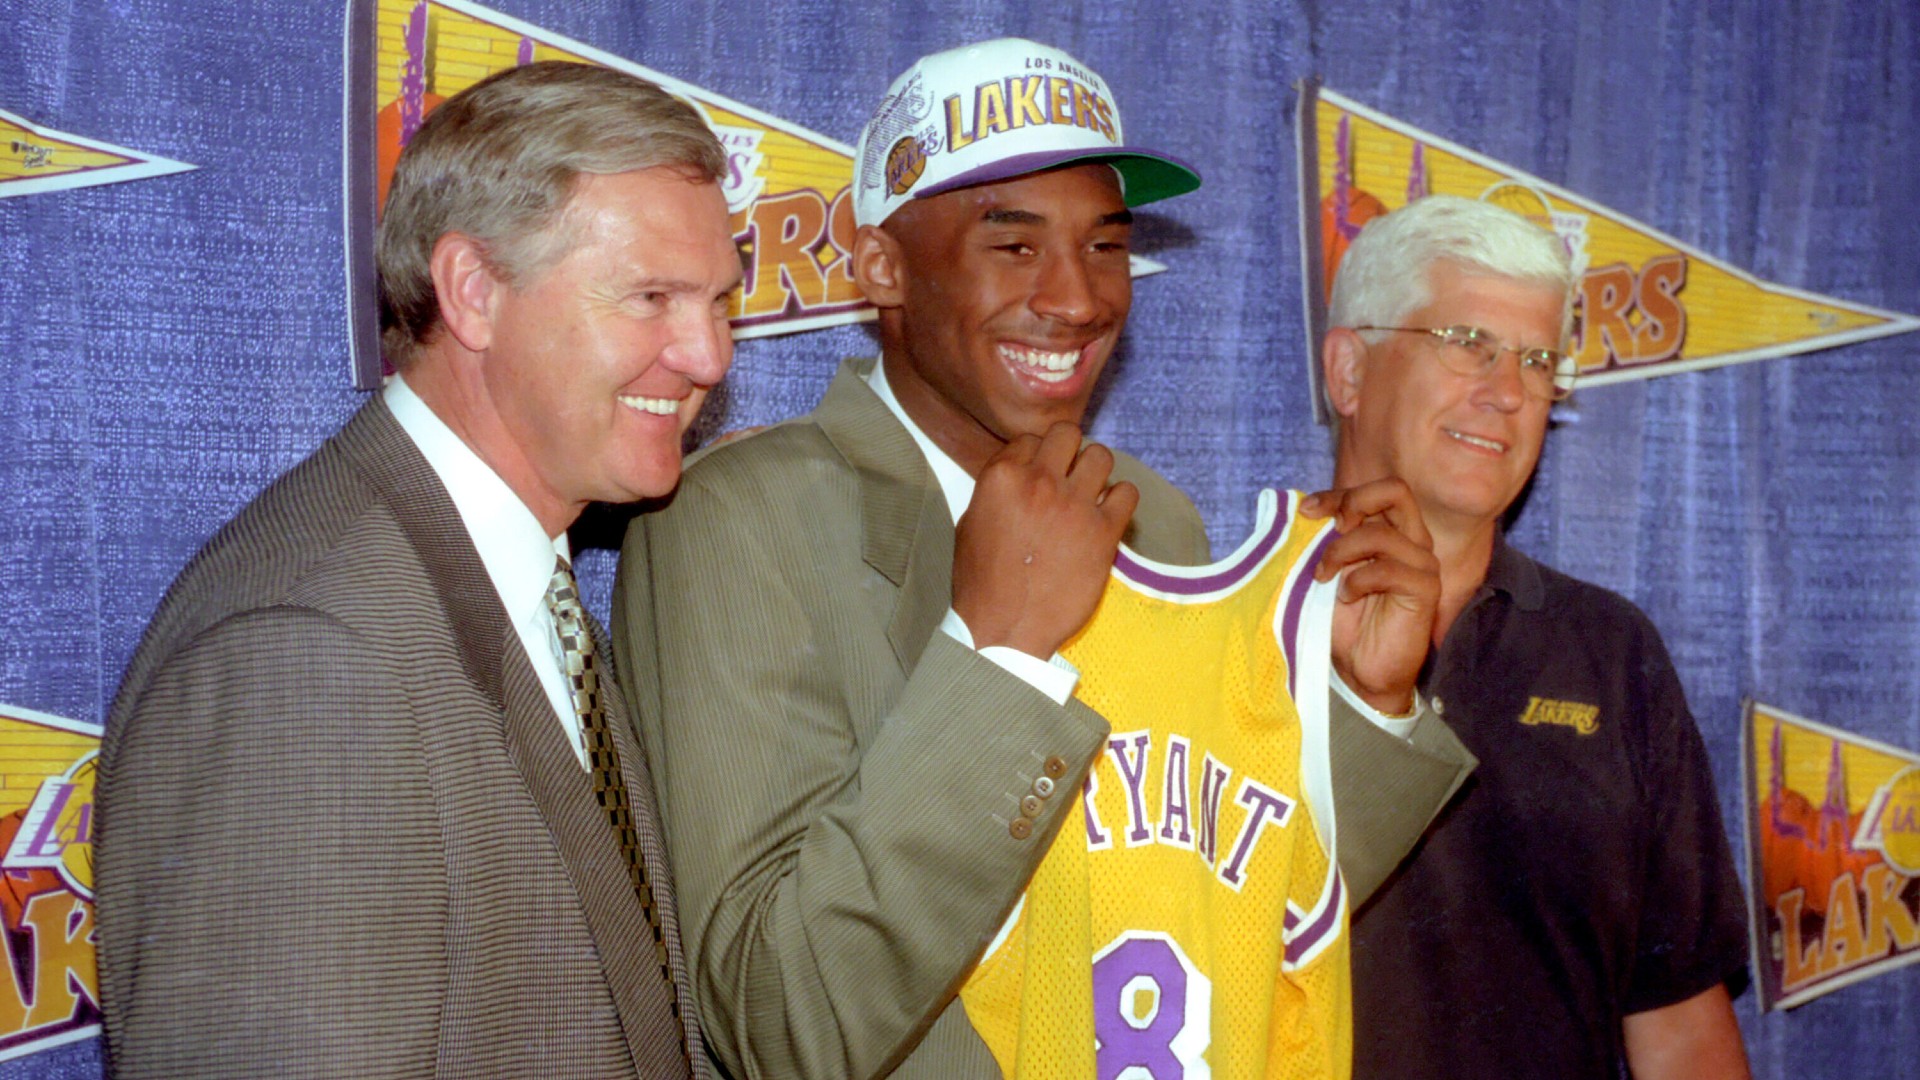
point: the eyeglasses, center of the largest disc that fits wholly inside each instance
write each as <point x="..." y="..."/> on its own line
<point x="1546" y="374"/>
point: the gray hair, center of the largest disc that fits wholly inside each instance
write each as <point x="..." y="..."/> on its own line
<point x="499" y="162"/>
<point x="1385" y="275"/>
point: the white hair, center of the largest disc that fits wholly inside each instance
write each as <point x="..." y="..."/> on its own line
<point x="1385" y="275"/>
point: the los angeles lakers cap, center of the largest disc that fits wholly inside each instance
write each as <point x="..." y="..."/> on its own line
<point x="994" y="111"/>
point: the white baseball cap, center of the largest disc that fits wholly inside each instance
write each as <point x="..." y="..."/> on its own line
<point x="994" y="111"/>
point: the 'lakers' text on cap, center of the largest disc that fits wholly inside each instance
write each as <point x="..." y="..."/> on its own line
<point x="994" y="111"/>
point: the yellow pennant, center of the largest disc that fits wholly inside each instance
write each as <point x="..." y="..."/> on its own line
<point x="49" y="992"/>
<point x="1833" y="856"/>
<point x="788" y="188"/>
<point x="35" y="159"/>
<point x="1648" y="305"/>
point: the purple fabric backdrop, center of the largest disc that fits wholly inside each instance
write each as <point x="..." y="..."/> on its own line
<point x="170" y="345"/>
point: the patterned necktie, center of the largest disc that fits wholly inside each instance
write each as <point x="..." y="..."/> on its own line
<point x="603" y="759"/>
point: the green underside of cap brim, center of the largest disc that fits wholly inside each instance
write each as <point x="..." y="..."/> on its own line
<point x="1150" y="179"/>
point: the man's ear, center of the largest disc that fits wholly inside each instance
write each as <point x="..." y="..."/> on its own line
<point x="877" y="267"/>
<point x="1342" y="358"/>
<point x="465" y="287"/>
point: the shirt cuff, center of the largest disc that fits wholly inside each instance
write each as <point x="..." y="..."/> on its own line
<point x="1398" y="726"/>
<point x="1054" y="677"/>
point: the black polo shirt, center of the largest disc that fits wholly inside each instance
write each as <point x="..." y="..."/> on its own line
<point x="1582" y="872"/>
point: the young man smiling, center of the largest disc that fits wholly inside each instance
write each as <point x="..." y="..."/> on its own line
<point x="840" y="629"/>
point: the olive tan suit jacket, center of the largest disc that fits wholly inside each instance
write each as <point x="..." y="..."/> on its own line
<point x="342" y="833"/>
<point x="841" y="782"/>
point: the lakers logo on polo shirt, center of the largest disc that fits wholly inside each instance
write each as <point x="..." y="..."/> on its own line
<point x="1584" y="719"/>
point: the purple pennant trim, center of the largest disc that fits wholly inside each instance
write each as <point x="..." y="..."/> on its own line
<point x="1021" y="164"/>
<point x="1323" y="924"/>
<point x="1139" y="573"/>
<point x="1297" y="600"/>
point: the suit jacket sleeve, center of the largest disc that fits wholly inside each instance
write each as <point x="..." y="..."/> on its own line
<point x="239" y="939"/>
<point x="1387" y="790"/>
<point x="839" y="829"/>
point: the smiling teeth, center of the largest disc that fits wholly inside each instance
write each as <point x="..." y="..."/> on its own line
<point x="1043" y="365"/>
<point x="1475" y="440"/>
<point x="658" y="406"/>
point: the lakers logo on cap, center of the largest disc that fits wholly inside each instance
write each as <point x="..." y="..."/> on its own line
<point x="905" y="162"/>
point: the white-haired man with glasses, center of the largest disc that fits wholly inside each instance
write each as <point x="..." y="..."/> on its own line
<point x="1575" y="908"/>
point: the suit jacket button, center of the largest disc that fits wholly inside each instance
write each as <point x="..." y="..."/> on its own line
<point x="1031" y="806"/>
<point x="1021" y="828"/>
<point x="1056" y="767"/>
<point x="1042" y="786"/>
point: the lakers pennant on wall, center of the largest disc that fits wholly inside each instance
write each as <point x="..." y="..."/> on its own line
<point x="1833" y="856"/>
<point x="49" y="994"/>
<point x="35" y="159"/>
<point x="1648" y="304"/>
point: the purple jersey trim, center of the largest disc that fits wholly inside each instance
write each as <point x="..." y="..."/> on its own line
<point x="1139" y="573"/>
<point x="1297" y="600"/>
<point x="1299" y="945"/>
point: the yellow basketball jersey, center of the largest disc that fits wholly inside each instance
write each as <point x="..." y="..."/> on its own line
<point x="1194" y="923"/>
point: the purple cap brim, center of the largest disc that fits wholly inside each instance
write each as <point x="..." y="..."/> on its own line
<point x="1150" y="175"/>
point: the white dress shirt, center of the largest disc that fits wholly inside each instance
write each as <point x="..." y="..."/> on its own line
<point x="517" y="552"/>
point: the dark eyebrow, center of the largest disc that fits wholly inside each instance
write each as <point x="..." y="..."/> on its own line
<point x="1000" y="216"/>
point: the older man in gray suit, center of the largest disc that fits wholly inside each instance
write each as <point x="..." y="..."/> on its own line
<point x="370" y="801"/>
<point x="862" y="747"/>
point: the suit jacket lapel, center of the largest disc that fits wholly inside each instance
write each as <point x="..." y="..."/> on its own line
<point x="906" y="527"/>
<point x="495" y="660"/>
<point x="382" y="452"/>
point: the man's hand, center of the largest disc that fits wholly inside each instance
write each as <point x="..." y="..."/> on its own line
<point x="1032" y="552"/>
<point x="1384" y="620"/>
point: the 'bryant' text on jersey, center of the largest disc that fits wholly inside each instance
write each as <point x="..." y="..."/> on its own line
<point x="1182" y="822"/>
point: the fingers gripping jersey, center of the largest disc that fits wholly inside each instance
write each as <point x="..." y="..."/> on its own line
<point x="1196" y="925"/>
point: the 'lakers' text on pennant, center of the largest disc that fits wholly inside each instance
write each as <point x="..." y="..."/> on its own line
<point x="35" y="159"/>
<point x="49" y="990"/>
<point x="1833" y="856"/>
<point x="1648" y="304"/>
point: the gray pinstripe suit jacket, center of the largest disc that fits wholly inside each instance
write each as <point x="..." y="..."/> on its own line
<point x="341" y="833"/>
